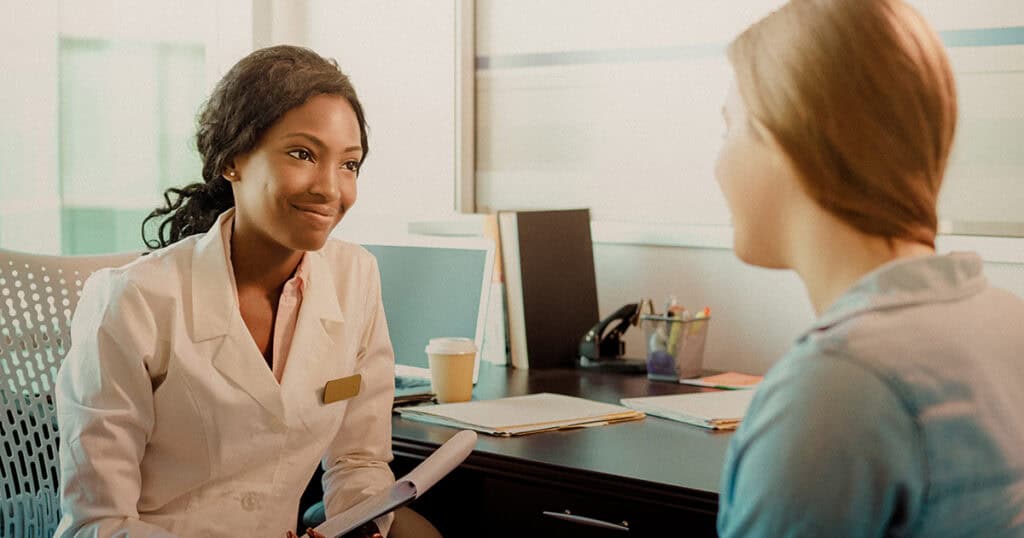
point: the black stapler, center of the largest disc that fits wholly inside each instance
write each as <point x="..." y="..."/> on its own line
<point x="602" y="347"/>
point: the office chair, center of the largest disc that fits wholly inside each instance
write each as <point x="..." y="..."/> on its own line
<point x="38" y="294"/>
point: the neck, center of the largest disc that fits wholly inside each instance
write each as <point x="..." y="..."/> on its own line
<point x="261" y="263"/>
<point x="832" y="256"/>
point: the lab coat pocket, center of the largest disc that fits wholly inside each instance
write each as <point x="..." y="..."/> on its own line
<point x="322" y="413"/>
<point x="321" y="417"/>
<point x="233" y="508"/>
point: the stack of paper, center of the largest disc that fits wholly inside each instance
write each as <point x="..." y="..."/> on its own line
<point x="520" y="415"/>
<point x="715" y="410"/>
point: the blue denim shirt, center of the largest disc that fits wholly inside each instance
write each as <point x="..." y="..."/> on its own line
<point x="900" y="412"/>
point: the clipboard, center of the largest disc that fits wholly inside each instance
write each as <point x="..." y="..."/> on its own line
<point x="405" y="490"/>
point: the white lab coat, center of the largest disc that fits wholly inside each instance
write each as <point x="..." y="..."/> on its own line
<point x="171" y="423"/>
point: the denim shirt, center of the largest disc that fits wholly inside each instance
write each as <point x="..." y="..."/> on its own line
<point x="900" y="412"/>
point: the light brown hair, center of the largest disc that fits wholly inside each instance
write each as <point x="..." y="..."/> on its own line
<point x="860" y="96"/>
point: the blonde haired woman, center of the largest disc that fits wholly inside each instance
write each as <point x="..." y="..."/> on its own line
<point x="898" y="412"/>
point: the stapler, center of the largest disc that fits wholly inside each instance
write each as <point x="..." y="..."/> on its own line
<point x="602" y="348"/>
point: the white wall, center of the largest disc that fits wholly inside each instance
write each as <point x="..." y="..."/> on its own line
<point x="401" y="58"/>
<point x="756" y="313"/>
<point x="29" y="200"/>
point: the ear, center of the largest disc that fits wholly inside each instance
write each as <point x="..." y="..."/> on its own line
<point x="230" y="173"/>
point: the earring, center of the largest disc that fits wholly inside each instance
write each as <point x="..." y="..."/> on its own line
<point x="231" y="173"/>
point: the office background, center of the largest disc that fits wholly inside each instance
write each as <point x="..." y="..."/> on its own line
<point x="477" y="106"/>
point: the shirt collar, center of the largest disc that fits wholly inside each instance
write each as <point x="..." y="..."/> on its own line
<point x="906" y="282"/>
<point x="300" y="276"/>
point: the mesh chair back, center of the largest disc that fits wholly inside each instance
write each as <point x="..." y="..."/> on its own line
<point x="37" y="297"/>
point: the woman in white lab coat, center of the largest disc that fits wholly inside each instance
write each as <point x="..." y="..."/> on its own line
<point x="192" y="401"/>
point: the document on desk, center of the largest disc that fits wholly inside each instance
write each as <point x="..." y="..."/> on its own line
<point x="521" y="415"/>
<point x="406" y="489"/>
<point x="721" y="410"/>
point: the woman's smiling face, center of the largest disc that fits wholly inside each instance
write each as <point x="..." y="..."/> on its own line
<point x="294" y="187"/>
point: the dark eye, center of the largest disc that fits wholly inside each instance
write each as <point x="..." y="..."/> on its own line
<point x="351" y="166"/>
<point x="301" y="155"/>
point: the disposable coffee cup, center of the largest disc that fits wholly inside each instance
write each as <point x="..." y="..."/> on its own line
<point x="451" y="368"/>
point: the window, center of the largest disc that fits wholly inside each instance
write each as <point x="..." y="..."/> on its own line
<point x="104" y="119"/>
<point x="127" y="114"/>
<point x="615" y="107"/>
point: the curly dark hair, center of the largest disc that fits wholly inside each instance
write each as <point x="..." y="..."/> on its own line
<point x="251" y="97"/>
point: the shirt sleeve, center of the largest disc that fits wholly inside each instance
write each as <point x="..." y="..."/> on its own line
<point x="356" y="462"/>
<point x="104" y="399"/>
<point x="826" y="449"/>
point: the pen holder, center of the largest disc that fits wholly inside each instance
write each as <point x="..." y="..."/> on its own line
<point x="675" y="347"/>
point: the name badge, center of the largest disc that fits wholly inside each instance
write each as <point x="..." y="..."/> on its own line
<point x="342" y="388"/>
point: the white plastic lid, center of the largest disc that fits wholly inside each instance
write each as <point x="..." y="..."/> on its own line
<point x="450" y="346"/>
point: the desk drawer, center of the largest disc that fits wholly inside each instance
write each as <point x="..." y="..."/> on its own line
<point x="551" y="510"/>
<point x="500" y="498"/>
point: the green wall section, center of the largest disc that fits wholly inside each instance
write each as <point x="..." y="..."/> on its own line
<point x="100" y="230"/>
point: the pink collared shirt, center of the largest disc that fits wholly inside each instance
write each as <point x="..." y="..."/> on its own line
<point x="287" y="306"/>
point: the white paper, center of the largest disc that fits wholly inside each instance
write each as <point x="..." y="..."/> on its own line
<point x="411" y="486"/>
<point x="519" y="414"/>
<point x="442" y="461"/>
<point x="401" y="493"/>
<point x="703" y="408"/>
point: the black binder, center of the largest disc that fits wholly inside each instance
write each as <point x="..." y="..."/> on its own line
<point x="551" y="289"/>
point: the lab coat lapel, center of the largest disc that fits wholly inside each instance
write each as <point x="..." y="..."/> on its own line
<point x="214" y="301"/>
<point x="317" y="330"/>
<point x="217" y="326"/>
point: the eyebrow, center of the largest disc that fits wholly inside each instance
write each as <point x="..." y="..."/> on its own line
<point x="317" y="142"/>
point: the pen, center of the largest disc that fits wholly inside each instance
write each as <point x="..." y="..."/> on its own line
<point x="670" y="304"/>
<point x="675" y="311"/>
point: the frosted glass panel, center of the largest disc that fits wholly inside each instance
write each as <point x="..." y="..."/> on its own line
<point x="109" y="123"/>
<point x="984" y="184"/>
<point x="615" y="107"/>
<point x="590" y="136"/>
<point x="127" y="122"/>
<point x="98" y="116"/>
<point x="182" y="92"/>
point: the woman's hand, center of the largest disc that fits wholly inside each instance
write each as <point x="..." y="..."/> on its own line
<point x="309" y="533"/>
<point x="368" y="530"/>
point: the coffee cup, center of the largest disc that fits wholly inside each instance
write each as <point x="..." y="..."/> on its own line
<point x="451" y="368"/>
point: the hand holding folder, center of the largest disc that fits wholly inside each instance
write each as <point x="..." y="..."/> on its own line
<point x="406" y="489"/>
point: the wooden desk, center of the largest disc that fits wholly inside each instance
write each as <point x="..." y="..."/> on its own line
<point x="653" y="476"/>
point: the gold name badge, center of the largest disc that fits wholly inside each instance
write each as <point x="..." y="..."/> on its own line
<point x="342" y="388"/>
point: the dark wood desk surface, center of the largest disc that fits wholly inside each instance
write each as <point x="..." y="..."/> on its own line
<point x="649" y="462"/>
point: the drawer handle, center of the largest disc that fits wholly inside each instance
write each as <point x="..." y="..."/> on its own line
<point x="589" y="521"/>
